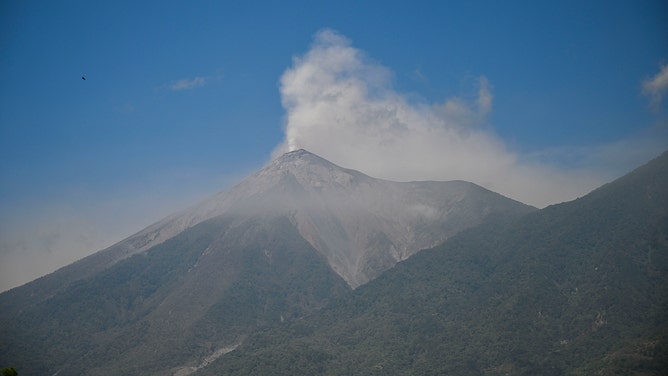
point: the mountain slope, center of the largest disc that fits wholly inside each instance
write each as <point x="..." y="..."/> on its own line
<point x="276" y="247"/>
<point x="199" y="292"/>
<point x="579" y="288"/>
<point x="392" y="220"/>
<point x="362" y="225"/>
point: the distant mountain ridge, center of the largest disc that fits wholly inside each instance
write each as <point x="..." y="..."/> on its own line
<point x="278" y="246"/>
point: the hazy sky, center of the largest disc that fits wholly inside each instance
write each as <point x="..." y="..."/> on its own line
<point x="541" y="101"/>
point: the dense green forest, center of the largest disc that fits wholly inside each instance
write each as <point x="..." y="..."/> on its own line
<point x="579" y="288"/>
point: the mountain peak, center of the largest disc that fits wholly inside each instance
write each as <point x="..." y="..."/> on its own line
<point x="302" y="156"/>
<point x="299" y="152"/>
<point x="308" y="169"/>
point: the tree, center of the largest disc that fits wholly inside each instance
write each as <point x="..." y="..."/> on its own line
<point x="10" y="371"/>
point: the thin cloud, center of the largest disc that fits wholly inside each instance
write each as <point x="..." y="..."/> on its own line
<point x="188" y="83"/>
<point x="655" y="87"/>
<point x="341" y="105"/>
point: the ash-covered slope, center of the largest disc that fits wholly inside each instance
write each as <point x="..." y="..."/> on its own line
<point x="362" y="225"/>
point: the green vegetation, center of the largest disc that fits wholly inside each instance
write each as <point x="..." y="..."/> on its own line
<point x="8" y="372"/>
<point x="150" y="312"/>
<point x="575" y="289"/>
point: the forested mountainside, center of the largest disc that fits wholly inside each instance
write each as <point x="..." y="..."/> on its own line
<point x="579" y="288"/>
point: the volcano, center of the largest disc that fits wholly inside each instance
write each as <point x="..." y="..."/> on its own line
<point x="278" y="246"/>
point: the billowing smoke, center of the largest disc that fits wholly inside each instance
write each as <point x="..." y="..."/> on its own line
<point x="341" y="105"/>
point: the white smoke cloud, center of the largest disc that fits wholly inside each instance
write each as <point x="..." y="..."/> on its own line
<point x="656" y="87"/>
<point x="341" y="105"/>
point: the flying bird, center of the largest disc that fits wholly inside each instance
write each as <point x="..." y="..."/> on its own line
<point x="83" y="77"/>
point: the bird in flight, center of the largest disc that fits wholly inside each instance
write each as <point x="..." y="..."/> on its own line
<point x="83" y="77"/>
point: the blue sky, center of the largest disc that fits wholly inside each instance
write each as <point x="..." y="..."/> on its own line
<point x="183" y="99"/>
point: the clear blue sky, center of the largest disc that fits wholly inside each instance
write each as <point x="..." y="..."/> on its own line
<point x="181" y="98"/>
